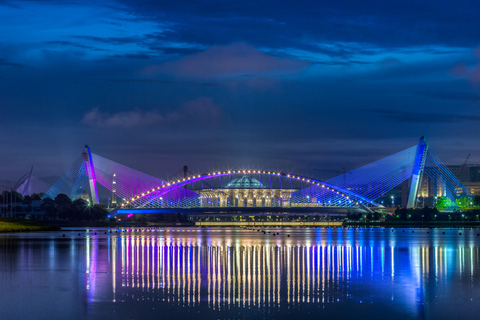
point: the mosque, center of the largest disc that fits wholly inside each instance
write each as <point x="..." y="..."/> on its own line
<point x="245" y="191"/>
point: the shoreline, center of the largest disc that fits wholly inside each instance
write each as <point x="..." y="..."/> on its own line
<point x="25" y="226"/>
<point x="416" y="224"/>
<point x="9" y="226"/>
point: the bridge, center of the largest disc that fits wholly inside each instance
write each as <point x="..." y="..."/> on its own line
<point x="365" y="189"/>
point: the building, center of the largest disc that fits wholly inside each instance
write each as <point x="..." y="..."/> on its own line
<point x="469" y="174"/>
<point x="245" y="191"/>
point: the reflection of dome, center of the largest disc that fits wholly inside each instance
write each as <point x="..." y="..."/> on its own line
<point x="244" y="182"/>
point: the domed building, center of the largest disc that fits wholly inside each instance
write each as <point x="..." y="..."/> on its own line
<point x="245" y="191"/>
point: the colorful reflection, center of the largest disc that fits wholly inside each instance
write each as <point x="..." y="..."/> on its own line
<point x="227" y="269"/>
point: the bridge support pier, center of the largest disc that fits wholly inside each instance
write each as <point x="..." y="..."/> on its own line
<point x="417" y="173"/>
<point x="87" y="159"/>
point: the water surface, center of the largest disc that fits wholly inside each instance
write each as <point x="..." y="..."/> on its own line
<point x="233" y="273"/>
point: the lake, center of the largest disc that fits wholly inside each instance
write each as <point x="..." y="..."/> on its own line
<point x="235" y="273"/>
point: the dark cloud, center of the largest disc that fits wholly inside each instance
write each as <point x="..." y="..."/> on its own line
<point x="232" y="60"/>
<point x="7" y="63"/>
<point x="70" y="43"/>
<point x="110" y="40"/>
<point x="386" y="23"/>
<point x="341" y="63"/>
<point x="132" y="56"/>
<point x="446" y="95"/>
<point x="417" y="117"/>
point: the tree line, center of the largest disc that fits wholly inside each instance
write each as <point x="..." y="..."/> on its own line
<point x="62" y="207"/>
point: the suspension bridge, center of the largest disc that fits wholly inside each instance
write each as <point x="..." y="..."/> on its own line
<point x="256" y="191"/>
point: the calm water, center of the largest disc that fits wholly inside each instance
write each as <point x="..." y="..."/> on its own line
<point x="232" y="273"/>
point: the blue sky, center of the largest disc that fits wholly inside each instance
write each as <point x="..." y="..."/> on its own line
<point x="284" y="85"/>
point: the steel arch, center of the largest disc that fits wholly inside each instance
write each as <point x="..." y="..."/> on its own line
<point x="177" y="194"/>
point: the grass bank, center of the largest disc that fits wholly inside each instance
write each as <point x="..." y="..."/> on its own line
<point x="24" y="226"/>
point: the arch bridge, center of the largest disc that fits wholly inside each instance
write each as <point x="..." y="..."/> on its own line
<point x="242" y="189"/>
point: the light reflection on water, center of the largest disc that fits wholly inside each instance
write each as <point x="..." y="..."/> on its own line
<point x="236" y="273"/>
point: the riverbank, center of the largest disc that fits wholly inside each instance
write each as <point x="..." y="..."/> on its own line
<point x="270" y="224"/>
<point x="25" y="226"/>
<point x="415" y="224"/>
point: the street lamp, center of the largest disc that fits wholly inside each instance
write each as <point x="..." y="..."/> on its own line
<point x="393" y="201"/>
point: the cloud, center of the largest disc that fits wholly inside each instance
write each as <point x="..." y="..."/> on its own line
<point x="6" y="63"/>
<point x="132" y="56"/>
<point x="129" y="119"/>
<point x="231" y="60"/>
<point x="190" y="83"/>
<point x="69" y="43"/>
<point x="418" y="117"/>
<point x="473" y="74"/>
<point x="111" y="40"/>
<point x="453" y="95"/>
<point x="202" y="108"/>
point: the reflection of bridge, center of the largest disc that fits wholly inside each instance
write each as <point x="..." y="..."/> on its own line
<point x="252" y="190"/>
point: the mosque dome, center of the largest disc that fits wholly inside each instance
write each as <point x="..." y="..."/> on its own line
<point x="245" y="182"/>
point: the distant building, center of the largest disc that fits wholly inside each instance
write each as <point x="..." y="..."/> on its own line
<point x="469" y="175"/>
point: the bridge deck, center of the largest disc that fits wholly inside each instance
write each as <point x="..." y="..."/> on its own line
<point x="251" y="211"/>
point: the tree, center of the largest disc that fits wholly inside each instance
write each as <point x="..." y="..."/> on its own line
<point x="99" y="212"/>
<point x="63" y="204"/>
<point x="444" y="202"/>
<point x="354" y="216"/>
<point x="401" y="213"/>
<point x="79" y="208"/>
<point x="51" y="212"/>
<point x="476" y="201"/>
<point x="27" y="200"/>
<point x="13" y="197"/>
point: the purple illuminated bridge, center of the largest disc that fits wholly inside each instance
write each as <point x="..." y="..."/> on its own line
<point x="362" y="189"/>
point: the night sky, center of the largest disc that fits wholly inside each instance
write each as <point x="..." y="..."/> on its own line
<point x="280" y="85"/>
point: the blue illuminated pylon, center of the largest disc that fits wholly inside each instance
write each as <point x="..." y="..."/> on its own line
<point x="417" y="172"/>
